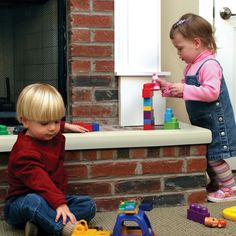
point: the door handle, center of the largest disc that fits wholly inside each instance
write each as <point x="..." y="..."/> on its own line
<point x="225" y="13"/>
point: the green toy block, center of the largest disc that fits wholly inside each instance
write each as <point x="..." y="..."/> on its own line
<point x="173" y="124"/>
<point x="3" y="130"/>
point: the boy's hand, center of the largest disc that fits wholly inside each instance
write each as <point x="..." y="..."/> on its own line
<point x="74" y="128"/>
<point x="64" y="212"/>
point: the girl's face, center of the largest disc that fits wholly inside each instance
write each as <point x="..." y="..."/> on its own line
<point x="41" y="130"/>
<point x="187" y="49"/>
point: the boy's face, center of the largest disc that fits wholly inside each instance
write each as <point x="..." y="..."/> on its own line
<point x="187" y="49"/>
<point x="41" y="130"/>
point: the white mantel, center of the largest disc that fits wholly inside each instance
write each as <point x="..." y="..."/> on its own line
<point x="119" y="138"/>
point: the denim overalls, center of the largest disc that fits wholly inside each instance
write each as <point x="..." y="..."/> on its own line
<point x="217" y="116"/>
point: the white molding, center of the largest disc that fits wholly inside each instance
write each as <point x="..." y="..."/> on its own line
<point x="137" y="36"/>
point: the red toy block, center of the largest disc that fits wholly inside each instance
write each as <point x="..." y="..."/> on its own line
<point x="148" y="127"/>
<point x="87" y="126"/>
<point x="147" y="93"/>
<point x="148" y="86"/>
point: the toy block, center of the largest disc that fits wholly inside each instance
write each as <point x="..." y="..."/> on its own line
<point x="148" y="122"/>
<point x="17" y="129"/>
<point x="146" y="206"/>
<point x="147" y="102"/>
<point x="197" y="213"/>
<point x="147" y="108"/>
<point x="89" y="126"/>
<point x="148" y="127"/>
<point x="148" y="86"/>
<point x="128" y="207"/>
<point x="3" y="130"/>
<point x="168" y="114"/>
<point x="96" y="126"/>
<point x="148" y="115"/>
<point x="147" y="93"/>
<point x="173" y="124"/>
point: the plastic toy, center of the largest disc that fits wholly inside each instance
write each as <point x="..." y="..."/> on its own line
<point x="146" y="206"/>
<point x="170" y="122"/>
<point x="81" y="229"/>
<point x="128" y="207"/>
<point x="3" y="130"/>
<point x="197" y="213"/>
<point x="230" y="213"/>
<point x="89" y="126"/>
<point x="214" y="222"/>
<point x="147" y="94"/>
<point x="129" y="212"/>
<point x="201" y="215"/>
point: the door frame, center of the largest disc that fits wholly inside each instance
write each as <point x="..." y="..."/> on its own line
<point x="206" y="10"/>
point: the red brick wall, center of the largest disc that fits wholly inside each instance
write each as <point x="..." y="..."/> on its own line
<point x="165" y="175"/>
<point x="93" y="91"/>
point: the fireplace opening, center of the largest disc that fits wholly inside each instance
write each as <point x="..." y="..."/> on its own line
<point x="32" y="49"/>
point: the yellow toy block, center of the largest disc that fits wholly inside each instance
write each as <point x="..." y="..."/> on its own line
<point x="81" y="229"/>
<point x="147" y="108"/>
<point x="230" y="213"/>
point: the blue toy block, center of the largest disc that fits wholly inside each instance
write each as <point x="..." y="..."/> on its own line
<point x="148" y="121"/>
<point x="96" y="126"/>
<point x="147" y="102"/>
<point x="197" y="213"/>
<point x="168" y="115"/>
<point x="146" y="206"/>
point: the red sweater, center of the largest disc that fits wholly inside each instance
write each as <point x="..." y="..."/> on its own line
<point x="38" y="166"/>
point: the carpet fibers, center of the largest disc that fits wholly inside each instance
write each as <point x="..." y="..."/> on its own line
<point x="169" y="221"/>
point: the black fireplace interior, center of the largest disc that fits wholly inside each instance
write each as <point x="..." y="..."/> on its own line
<point x="32" y="49"/>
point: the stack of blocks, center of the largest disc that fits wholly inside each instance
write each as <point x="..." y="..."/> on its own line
<point x="148" y="112"/>
<point x="170" y="122"/>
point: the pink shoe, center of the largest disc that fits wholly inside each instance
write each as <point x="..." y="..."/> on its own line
<point x="222" y="195"/>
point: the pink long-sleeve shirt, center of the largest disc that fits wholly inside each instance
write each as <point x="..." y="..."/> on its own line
<point x="209" y="77"/>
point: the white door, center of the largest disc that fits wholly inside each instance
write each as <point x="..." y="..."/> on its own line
<point x="226" y="38"/>
<point x="225" y="33"/>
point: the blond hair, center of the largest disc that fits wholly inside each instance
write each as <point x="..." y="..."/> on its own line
<point x="192" y="26"/>
<point x="40" y="102"/>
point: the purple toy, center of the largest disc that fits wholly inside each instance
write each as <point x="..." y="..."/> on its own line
<point x="197" y="213"/>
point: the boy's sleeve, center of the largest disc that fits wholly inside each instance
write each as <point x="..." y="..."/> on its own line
<point x="62" y="126"/>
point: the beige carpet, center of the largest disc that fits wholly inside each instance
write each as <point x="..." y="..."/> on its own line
<point x="165" y="222"/>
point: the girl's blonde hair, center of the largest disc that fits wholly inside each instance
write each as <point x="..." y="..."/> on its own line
<point x="40" y="102"/>
<point x="192" y="26"/>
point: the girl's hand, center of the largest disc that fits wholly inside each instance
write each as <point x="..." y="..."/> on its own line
<point x="177" y="89"/>
<point x="74" y="128"/>
<point x="64" y="212"/>
<point x="162" y="82"/>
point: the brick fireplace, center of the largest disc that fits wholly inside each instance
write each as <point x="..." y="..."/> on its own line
<point x="69" y="44"/>
<point x="93" y="87"/>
